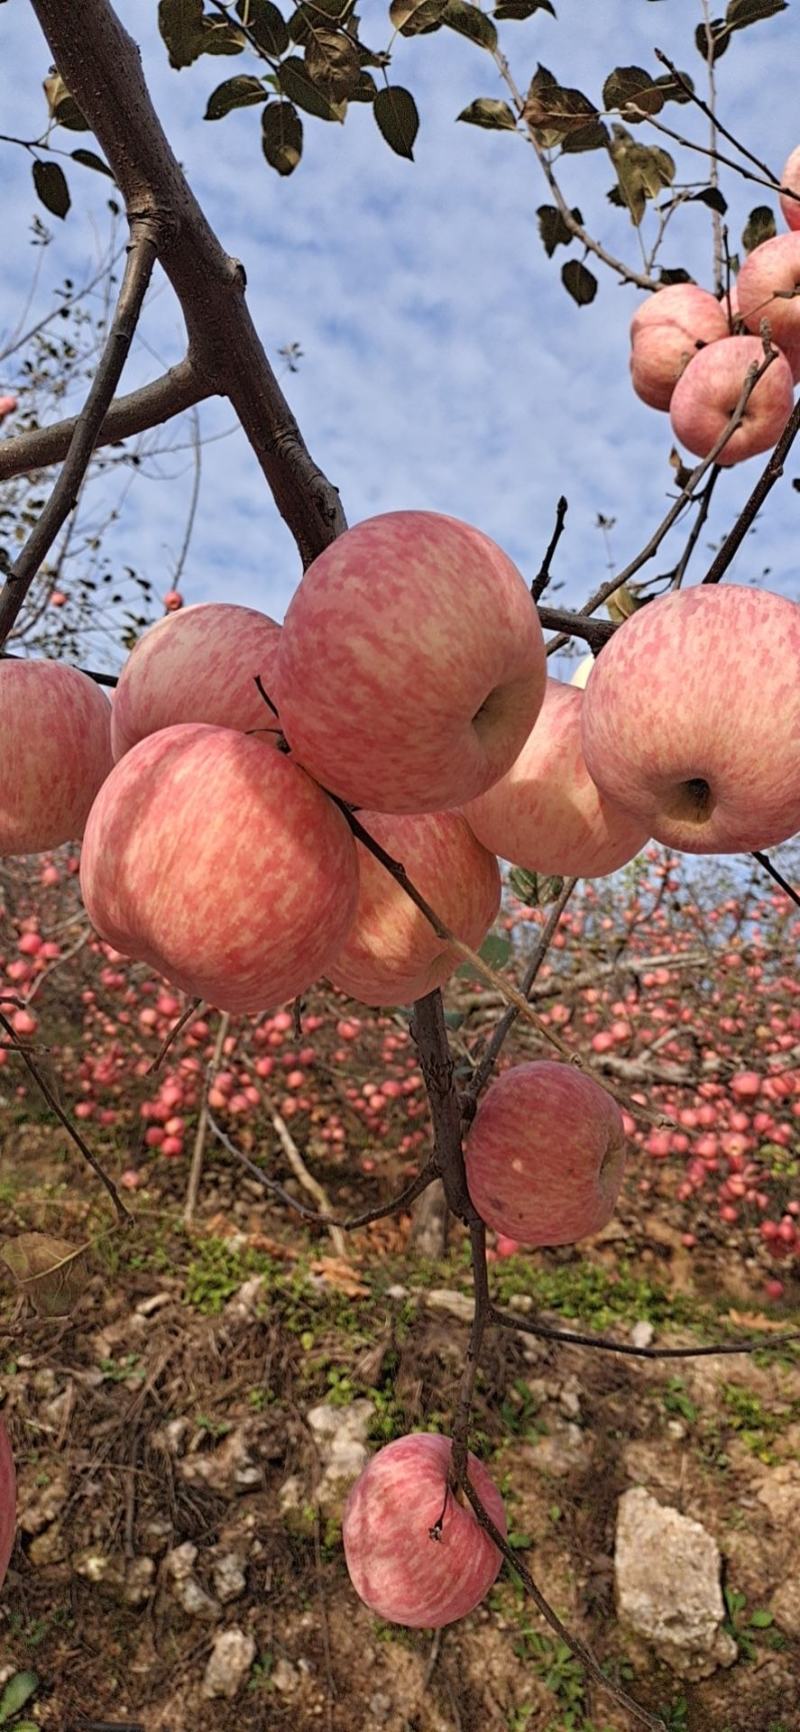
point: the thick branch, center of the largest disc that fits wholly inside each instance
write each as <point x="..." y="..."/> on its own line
<point x="150" y="406"/>
<point x="100" y="63"/>
<point x="436" y="1063"/>
<point x="142" y="254"/>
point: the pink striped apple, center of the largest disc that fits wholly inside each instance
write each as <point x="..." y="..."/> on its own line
<point x="392" y="954"/>
<point x="197" y="665"/>
<point x="666" y="331"/>
<point x="714" y="770"/>
<point x="790" y="177"/>
<point x="767" y="287"/>
<point x="55" y="725"/>
<point x="708" y="391"/>
<point x="395" y="1566"/>
<point x="411" y="664"/>
<point x="220" y="863"/>
<point x="545" y="1154"/>
<point x="8" y="1501"/>
<point x="545" y="813"/>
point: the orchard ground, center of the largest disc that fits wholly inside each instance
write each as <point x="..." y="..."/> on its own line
<point x="171" y="1407"/>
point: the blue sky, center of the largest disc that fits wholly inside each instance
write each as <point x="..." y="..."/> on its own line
<point x="444" y="365"/>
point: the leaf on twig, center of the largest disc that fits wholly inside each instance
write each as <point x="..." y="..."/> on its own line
<point x="398" y="121"/>
<point x="712" y="197"/>
<point x="490" y="112"/>
<point x="295" y="83"/>
<point x="760" y="226"/>
<point x="266" y="25"/>
<point x="333" y="64"/>
<point x="579" y="282"/>
<point x="643" y="170"/>
<point x="625" y="601"/>
<point x="187" y="33"/>
<point x="740" y="13"/>
<point x="50" y="182"/>
<point x="507" y="9"/>
<point x="63" y="108"/>
<point x="561" y="115"/>
<point x="51" y="1272"/>
<point x="282" y="136"/>
<point x="417" y="17"/>
<point x="553" y="228"/>
<point x="88" y="159"/>
<point x="632" y="88"/>
<point x="532" y="888"/>
<point x="240" y="92"/>
<point x="470" y="21"/>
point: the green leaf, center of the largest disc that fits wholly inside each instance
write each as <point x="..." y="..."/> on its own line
<point x="63" y="108"/>
<point x="398" y="121"/>
<point x="642" y="171"/>
<point x="522" y="9"/>
<point x="333" y="64"/>
<point x="630" y="86"/>
<point x="761" y="1620"/>
<point x="495" y="950"/>
<point x="671" y="90"/>
<point x="87" y="159"/>
<point x="760" y="227"/>
<point x="558" y="113"/>
<point x="294" y="81"/>
<point x="417" y="17"/>
<point x="553" y="229"/>
<point x="720" y="39"/>
<point x="678" y="275"/>
<point x="740" y="13"/>
<point x="17" y="1692"/>
<point x="266" y="25"/>
<point x="533" y="889"/>
<point x="50" y="182"/>
<point x="490" y="112"/>
<point x="472" y="22"/>
<point x="282" y="136"/>
<point x="579" y="282"/>
<point x="365" y="90"/>
<point x="240" y="92"/>
<point x="712" y="197"/>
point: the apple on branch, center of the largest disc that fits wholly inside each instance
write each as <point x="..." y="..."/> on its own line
<point x="397" y="1567"/>
<point x="197" y="665"/>
<point x="666" y="332"/>
<point x="411" y="665"/>
<point x="790" y="177"/>
<point x="545" y="1154"/>
<point x="709" y="390"/>
<point x="715" y="770"/>
<point x="546" y="814"/>
<point x="392" y="954"/>
<point x="222" y="864"/>
<point x="55" y="726"/>
<point x="767" y="289"/>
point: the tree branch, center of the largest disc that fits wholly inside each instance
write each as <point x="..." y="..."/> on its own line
<point x="149" y="406"/>
<point x="542" y="578"/>
<point x="604" y="1343"/>
<point x="483" y="1071"/>
<point x="100" y="63"/>
<point x="772" y="472"/>
<point x="142" y="254"/>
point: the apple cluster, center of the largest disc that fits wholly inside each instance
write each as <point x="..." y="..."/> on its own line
<point x="691" y="353"/>
<point x="214" y="798"/>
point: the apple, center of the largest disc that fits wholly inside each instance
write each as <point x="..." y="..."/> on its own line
<point x="766" y="287"/>
<point x="8" y="1502"/>
<point x="790" y="177"/>
<point x="173" y="600"/>
<point x="392" y="954"/>
<point x="545" y="814"/>
<point x="411" y="665"/>
<point x="708" y="391"/>
<point x="198" y="665"/>
<point x="217" y="861"/>
<point x="666" y="330"/>
<point x="8" y="403"/>
<point x="714" y="770"/>
<point x="55" y="726"/>
<point x="396" y="1568"/>
<point x="545" y="1154"/>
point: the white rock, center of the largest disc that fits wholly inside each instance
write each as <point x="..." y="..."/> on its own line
<point x="179" y="1566"/>
<point x="667" y="1573"/>
<point x="245" y="1302"/>
<point x="290" y="1495"/>
<point x="230" y="1660"/>
<point x="458" y="1305"/>
<point x="284" y="1677"/>
<point x="341" y="1434"/>
<point x="642" y="1334"/>
<point x="230" y="1579"/>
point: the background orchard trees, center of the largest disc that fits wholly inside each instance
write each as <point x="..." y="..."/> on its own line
<point x="662" y="976"/>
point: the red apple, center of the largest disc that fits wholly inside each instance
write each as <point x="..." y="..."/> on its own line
<point x="717" y="770"/>
<point x="767" y="287"/>
<point x="790" y="177"/>
<point x="8" y="404"/>
<point x="545" y="813"/>
<point x="392" y="954"/>
<point x="220" y="863"/>
<point x="56" y="745"/>
<point x="411" y="664"/>
<point x="708" y="391"/>
<point x="8" y="1502"/>
<point x="173" y="600"/>
<point x="545" y="1154"/>
<point x="666" y="330"/>
<point x="198" y="665"/>
<point x="395" y="1566"/>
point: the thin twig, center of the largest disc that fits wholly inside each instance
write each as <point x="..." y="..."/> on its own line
<point x="305" y="1178"/>
<point x="123" y="1214"/>
<point x="203" y="1120"/>
<point x="483" y="1070"/>
<point x="772" y="472"/>
<point x="177" y="1027"/>
<point x="542" y="578"/>
<point x="142" y="254"/>
<point x="480" y="1317"/>
<point x="694" y="537"/>
<point x="764" y="860"/>
<point x="692" y="95"/>
<point x="575" y="1645"/>
<point x="605" y="1344"/>
<point x="149" y="406"/>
